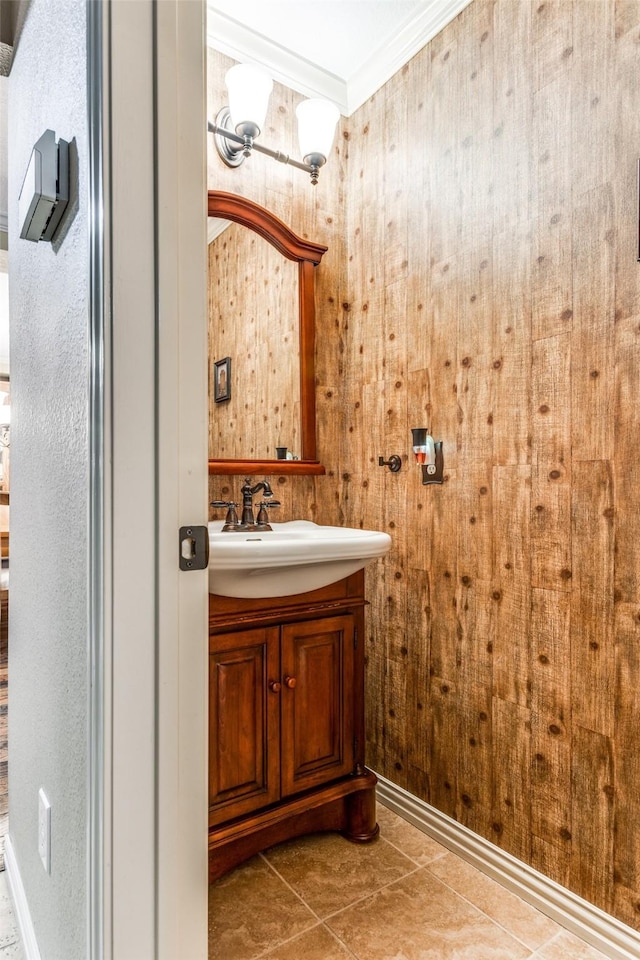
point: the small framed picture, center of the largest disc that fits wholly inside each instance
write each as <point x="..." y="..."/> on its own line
<point x="222" y="380"/>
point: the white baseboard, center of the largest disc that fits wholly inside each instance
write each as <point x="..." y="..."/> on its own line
<point x="608" y="935"/>
<point x="20" y="905"/>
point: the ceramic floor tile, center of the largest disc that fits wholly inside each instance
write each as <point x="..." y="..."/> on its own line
<point x="519" y="918"/>
<point x="316" y="944"/>
<point x="419" y="918"/>
<point x="407" y="838"/>
<point x="567" y="947"/>
<point x="250" y="911"/>
<point x="329" y="872"/>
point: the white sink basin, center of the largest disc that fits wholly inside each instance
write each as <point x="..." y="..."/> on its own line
<point x="292" y="558"/>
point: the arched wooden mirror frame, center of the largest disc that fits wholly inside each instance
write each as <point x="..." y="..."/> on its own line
<point x="307" y="255"/>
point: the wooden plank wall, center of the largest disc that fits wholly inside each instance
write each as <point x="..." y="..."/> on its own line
<point x="493" y="295"/>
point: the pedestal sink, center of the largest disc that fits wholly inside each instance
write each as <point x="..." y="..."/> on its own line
<point x="293" y="557"/>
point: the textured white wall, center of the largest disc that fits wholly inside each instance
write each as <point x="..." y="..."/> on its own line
<point x="4" y="313"/>
<point x="4" y="88"/>
<point x="49" y="495"/>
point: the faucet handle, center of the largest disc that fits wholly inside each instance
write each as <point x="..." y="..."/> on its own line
<point x="263" y="519"/>
<point x="231" y="520"/>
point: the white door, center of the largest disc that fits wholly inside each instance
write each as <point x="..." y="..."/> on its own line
<point x="154" y="869"/>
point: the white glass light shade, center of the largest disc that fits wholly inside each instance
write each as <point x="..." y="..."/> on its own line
<point x="317" y="121"/>
<point x="249" y="91"/>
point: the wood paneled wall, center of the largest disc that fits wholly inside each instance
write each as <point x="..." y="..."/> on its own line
<point x="493" y="295"/>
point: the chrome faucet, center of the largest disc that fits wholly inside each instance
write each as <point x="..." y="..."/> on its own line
<point x="248" y="492"/>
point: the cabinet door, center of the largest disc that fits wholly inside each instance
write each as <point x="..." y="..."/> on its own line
<point x="317" y="702"/>
<point x="244" y="707"/>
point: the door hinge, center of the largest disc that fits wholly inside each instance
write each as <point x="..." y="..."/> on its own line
<point x="193" y="548"/>
<point x="355" y="638"/>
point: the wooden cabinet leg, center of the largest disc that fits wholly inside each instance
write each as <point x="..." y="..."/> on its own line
<point x="361" y="826"/>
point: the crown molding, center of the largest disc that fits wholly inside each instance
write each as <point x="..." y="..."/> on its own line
<point x="243" y="43"/>
<point x="399" y="48"/>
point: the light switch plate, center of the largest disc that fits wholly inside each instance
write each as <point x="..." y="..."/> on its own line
<point x="44" y="830"/>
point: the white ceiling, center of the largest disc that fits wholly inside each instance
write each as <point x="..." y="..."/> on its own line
<point x="343" y="50"/>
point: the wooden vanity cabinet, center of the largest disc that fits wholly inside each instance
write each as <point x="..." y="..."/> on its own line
<point x="286" y="721"/>
<point x="244" y="768"/>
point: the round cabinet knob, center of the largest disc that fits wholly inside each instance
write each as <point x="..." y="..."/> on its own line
<point x="290" y="682"/>
<point x="274" y="686"/>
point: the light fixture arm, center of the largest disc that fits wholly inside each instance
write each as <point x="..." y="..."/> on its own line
<point x="245" y="145"/>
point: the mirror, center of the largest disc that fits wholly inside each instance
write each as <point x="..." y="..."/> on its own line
<point x="261" y="342"/>
<point x="253" y="347"/>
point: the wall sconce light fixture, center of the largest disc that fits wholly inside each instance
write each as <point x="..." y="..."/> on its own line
<point x="238" y="125"/>
<point x="428" y="454"/>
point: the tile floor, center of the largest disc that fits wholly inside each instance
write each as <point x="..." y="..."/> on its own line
<point x="404" y="897"/>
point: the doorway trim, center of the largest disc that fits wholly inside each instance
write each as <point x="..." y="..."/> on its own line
<point x="96" y="560"/>
<point x="154" y="873"/>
